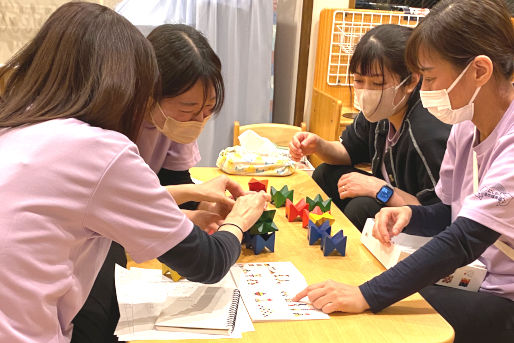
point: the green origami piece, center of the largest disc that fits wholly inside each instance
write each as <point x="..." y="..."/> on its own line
<point x="278" y="198"/>
<point x="264" y="224"/>
<point x="318" y="201"/>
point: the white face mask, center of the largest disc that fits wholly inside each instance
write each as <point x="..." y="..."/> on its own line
<point x="438" y="103"/>
<point x="183" y="132"/>
<point x="378" y="104"/>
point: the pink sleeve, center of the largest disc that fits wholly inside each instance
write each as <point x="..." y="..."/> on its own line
<point x="444" y="187"/>
<point x="130" y="207"/>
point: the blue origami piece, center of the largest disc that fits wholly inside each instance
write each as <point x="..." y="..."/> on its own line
<point x="259" y="242"/>
<point x="337" y="242"/>
<point x="318" y="232"/>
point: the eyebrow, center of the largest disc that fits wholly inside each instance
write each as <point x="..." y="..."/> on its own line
<point x="425" y="68"/>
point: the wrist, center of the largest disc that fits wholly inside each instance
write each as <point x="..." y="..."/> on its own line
<point x="384" y="194"/>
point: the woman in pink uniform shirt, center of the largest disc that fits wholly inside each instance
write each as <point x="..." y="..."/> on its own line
<point x="192" y="92"/>
<point x="465" y="51"/>
<point x="72" y="180"/>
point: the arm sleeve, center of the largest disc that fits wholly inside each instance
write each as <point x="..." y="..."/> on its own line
<point x="461" y="243"/>
<point x="129" y="206"/>
<point x="173" y="177"/>
<point x="355" y="139"/>
<point x="203" y="258"/>
<point x="429" y="220"/>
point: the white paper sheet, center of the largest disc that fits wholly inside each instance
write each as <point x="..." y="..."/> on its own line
<point x="141" y="296"/>
<point x="267" y="289"/>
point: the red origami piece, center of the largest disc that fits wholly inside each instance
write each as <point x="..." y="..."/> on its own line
<point x="293" y="211"/>
<point x="258" y="185"/>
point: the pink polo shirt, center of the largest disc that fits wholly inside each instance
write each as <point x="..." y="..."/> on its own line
<point x="161" y="152"/>
<point x="493" y="205"/>
<point x="66" y="190"/>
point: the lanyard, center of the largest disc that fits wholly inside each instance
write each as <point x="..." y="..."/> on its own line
<point x="504" y="248"/>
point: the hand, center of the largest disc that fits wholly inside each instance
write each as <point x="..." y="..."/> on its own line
<point x="222" y="210"/>
<point x="248" y="209"/>
<point x="331" y="296"/>
<point x="390" y="221"/>
<point x="214" y="191"/>
<point x="205" y="220"/>
<point x="355" y="184"/>
<point x="303" y="143"/>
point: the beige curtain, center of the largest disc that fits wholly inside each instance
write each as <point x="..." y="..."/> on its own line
<point x="21" y="19"/>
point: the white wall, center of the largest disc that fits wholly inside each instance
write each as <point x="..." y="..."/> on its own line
<point x="287" y="44"/>
<point x="318" y="5"/>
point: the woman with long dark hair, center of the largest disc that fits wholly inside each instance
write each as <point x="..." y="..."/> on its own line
<point x="73" y="181"/>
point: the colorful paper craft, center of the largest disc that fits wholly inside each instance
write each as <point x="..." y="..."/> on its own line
<point x="264" y="224"/>
<point x="293" y="211"/>
<point x="337" y="243"/>
<point x="305" y="215"/>
<point x="278" y="198"/>
<point x="318" y="232"/>
<point x="319" y="219"/>
<point x="258" y="185"/>
<point x="168" y="272"/>
<point x="324" y="205"/>
<point x="259" y="242"/>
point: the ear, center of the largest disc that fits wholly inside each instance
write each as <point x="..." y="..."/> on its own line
<point x="413" y="82"/>
<point x="483" y="70"/>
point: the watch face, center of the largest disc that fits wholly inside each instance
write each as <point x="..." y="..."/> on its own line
<point x="385" y="194"/>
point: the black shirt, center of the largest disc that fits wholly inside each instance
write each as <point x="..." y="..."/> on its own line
<point x="413" y="163"/>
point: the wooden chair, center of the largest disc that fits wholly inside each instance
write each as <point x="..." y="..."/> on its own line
<point x="280" y="134"/>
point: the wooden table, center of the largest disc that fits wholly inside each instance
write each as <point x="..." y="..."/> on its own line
<point x="410" y="320"/>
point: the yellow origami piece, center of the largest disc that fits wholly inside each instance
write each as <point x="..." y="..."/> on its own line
<point x="319" y="219"/>
<point x="168" y="272"/>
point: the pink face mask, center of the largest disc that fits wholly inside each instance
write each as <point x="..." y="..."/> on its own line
<point x="378" y="104"/>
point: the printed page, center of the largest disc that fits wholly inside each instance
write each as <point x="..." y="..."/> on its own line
<point x="266" y="289"/>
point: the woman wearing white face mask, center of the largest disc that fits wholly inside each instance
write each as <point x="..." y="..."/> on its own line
<point x="403" y="142"/>
<point x="192" y="92"/>
<point x="460" y="47"/>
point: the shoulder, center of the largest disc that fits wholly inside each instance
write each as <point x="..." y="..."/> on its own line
<point x="76" y="142"/>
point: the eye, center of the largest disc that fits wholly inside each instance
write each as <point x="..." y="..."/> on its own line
<point x="378" y="84"/>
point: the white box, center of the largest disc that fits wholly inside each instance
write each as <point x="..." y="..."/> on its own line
<point x="468" y="278"/>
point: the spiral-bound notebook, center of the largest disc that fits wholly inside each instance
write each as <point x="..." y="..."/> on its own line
<point x="207" y="309"/>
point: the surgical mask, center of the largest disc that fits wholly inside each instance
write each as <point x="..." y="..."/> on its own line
<point x="183" y="132"/>
<point x="438" y="103"/>
<point x="378" y="104"/>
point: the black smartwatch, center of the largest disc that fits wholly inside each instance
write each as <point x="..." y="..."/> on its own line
<point x="384" y="194"/>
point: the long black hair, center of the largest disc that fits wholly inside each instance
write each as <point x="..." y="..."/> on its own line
<point x="185" y="57"/>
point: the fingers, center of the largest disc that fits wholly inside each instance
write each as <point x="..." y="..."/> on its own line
<point x="301" y="295"/>
<point x="306" y="291"/>
<point x="234" y="188"/>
